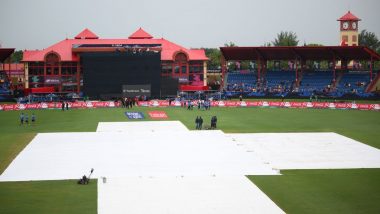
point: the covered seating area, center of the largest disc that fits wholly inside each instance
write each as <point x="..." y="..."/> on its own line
<point x="5" y="83"/>
<point x="300" y="78"/>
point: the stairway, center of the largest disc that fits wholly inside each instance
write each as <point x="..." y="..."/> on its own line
<point x="374" y="85"/>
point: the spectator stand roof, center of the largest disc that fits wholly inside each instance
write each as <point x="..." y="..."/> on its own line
<point x="300" y="53"/>
<point x="5" y="53"/>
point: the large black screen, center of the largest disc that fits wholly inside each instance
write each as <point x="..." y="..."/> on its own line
<point x="104" y="74"/>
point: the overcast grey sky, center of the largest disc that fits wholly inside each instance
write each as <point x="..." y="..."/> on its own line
<point x="37" y="24"/>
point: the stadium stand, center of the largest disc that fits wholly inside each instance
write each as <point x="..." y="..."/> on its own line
<point x="241" y="81"/>
<point x="353" y="83"/>
<point x="274" y="83"/>
<point x="4" y="87"/>
<point x="309" y="82"/>
<point x="279" y="83"/>
<point x="318" y="82"/>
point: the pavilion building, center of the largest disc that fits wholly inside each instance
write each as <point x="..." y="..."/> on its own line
<point x="59" y="66"/>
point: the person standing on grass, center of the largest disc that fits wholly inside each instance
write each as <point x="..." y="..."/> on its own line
<point x="197" y="123"/>
<point x="213" y="122"/>
<point x="22" y="118"/>
<point x="122" y="102"/>
<point x="26" y="119"/>
<point x="200" y="123"/>
<point x="67" y="106"/>
<point x="130" y="103"/>
<point x="63" y="106"/>
<point x="33" y="118"/>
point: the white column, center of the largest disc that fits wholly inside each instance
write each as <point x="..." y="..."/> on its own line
<point x="26" y="77"/>
<point x="204" y="73"/>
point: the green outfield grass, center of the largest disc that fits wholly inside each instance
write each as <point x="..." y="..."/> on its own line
<point x="48" y="197"/>
<point x="323" y="191"/>
<point x="363" y="126"/>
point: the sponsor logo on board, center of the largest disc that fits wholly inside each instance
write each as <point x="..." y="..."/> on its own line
<point x="134" y="115"/>
<point x="158" y="114"/>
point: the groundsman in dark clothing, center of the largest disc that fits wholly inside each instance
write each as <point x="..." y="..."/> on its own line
<point x="200" y="123"/>
<point x="197" y="123"/>
<point x="213" y="122"/>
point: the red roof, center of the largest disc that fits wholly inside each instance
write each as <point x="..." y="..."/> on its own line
<point x="140" y="34"/>
<point x="349" y="17"/>
<point x="64" y="48"/>
<point x="86" y="34"/>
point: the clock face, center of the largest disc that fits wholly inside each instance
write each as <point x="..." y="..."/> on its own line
<point x="354" y="25"/>
<point x="345" y="25"/>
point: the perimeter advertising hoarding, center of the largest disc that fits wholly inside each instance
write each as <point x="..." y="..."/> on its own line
<point x="134" y="115"/>
<point x="136" y="90"/>
<point x="158" y="114"/>
<point x="165" y="103"/>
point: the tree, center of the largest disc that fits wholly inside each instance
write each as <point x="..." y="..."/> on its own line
<point x="267" y="44"/>
<point x="370" y="40"/>
<point x="286" y="38"/>
<point x="16" y="56"/>
<point x="214" y="55"/>
<point x="229" y="44"/>
<point x="314" y="45"/>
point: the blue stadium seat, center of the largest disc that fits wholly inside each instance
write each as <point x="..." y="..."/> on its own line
<point x="241" y="81"/>
<point x="354" y="83"/>
<point x="315" y="82"/>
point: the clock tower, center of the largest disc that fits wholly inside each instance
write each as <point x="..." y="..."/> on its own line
<point x="349" y="35"/>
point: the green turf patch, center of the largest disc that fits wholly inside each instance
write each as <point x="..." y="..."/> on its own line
<point x="323" y="191"/>
<point x="11" y="145"/>
<point x="48" y="197"/>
